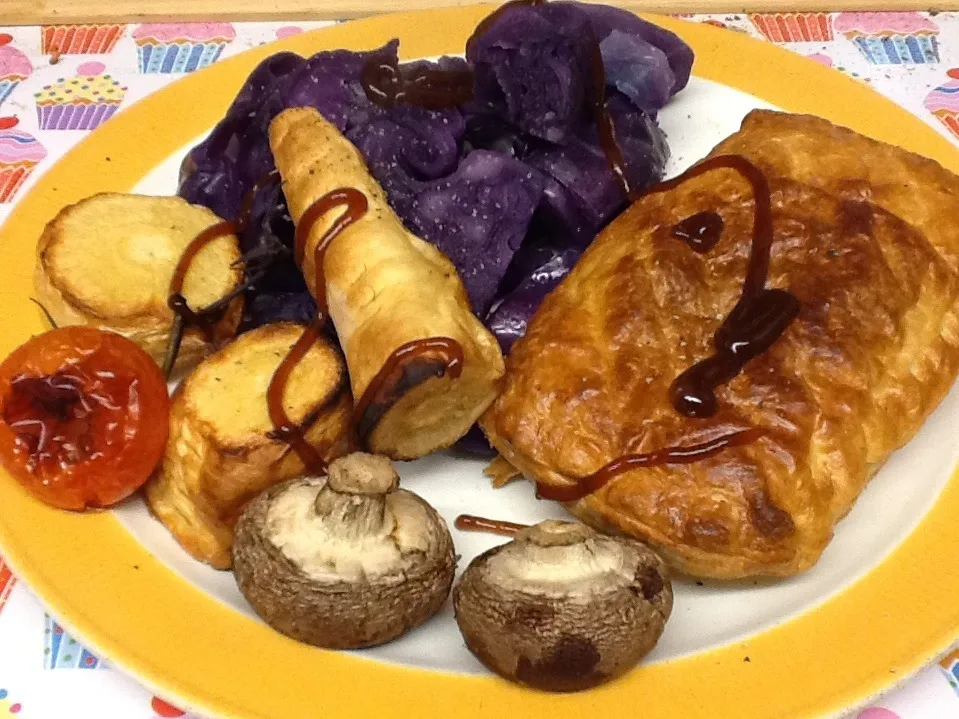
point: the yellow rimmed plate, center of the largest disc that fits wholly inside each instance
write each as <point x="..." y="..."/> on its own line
<point x="883" y="601"/>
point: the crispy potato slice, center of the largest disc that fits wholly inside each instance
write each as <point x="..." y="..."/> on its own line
<point x="107" y="262"/>
<point x="222" y="451"/>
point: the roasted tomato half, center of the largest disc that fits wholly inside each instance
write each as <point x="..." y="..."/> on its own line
<point x="84" y="417"/>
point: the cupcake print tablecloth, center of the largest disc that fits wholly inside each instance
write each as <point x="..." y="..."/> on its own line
<point x="59" y="82"/>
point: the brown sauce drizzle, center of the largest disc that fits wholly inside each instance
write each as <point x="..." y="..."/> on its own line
<point x="700" y="231"/>
<point x="387" y="83"/>
<point x="670" y="455"/>
<point x="759" y="317"/>
<point x="220" y="229"/>
<point x="356" y="206"/>
<point x="176" y="301"/>
<point x="605" y="128"/>
<point x="207" y="317"/>
<point x="448" y="352"/>
<point x="473" y="523"/>
<point x="286" y="429"/>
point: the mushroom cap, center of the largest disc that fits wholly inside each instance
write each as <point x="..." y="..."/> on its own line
<point x="563" y="608"/>
<point x="317" y="580"/>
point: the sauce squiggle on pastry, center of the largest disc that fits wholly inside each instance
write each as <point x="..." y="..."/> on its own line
<point x="669" y="455"/>
<point x="388" y="384"/>
<point x="701" y="231"/>
<point x="286" y="429"/>
<point x="389" y="379"/>
<point x="356" y="206"/>
<point x="760" y="316"/>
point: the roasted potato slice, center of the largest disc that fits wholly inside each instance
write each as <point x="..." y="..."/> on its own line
<point x="107" y="262"/>
<point x="222" y="450"/>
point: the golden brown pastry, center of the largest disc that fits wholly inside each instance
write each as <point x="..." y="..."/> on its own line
<point x="107" y="262"/>
<point x="872" y="351"/>
<point x="501" y="472"/>
<point x="222" y="449"/>
<point x="816" y="152"/>
<point x="386" y="288"/>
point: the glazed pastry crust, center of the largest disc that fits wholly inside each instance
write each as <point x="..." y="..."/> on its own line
<point x="386" y="287"/>
<point x="874" y="349"/>
<point x="851" y="166"/>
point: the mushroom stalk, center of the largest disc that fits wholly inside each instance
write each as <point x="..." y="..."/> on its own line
<point x="553" y="533"/>
<point x="354" y="498"/>
<point x="351" y="516"/>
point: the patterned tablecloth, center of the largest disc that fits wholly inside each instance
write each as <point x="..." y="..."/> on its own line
<point x="57" y="83"/>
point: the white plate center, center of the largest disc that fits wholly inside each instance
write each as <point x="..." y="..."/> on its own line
<point x="704" y="616"/>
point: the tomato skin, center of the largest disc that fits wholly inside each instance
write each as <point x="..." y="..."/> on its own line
<point x="84" y="417"/>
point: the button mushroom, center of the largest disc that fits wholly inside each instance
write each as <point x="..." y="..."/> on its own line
<point x="345" y="561"/>
<point x="561" y="607"/>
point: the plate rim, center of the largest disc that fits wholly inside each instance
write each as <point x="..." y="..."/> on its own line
<point x="107" y="568"/>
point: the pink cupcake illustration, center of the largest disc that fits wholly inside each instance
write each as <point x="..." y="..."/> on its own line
<point x="82" y="102"/>
<point x="20" y="152"/>
<point x="879" y="713"/>
<point x="891" y="38"/>
<point x="822" y="59"/>
<point x="282" y="33"/>
<point x="793" y="26"/>
<point x="943" y="102"/>
<point x="15" y="67"/>
<point x="174" y="48"/>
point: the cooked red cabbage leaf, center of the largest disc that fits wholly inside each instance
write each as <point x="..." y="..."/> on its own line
<point x="516" y="172"/>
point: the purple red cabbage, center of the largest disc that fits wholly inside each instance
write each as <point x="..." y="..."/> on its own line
<point x="511" y="186"/>
<point x="475" y="443"/>
<point x="607" y="20"/>
<point x="532" y="68"/>
<point x="539" y="269"/>
<point x="266" y="307"/>
<point x="478" y="216"/>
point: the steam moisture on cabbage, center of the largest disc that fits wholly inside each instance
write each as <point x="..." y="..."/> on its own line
<point x="512" y="186"/>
